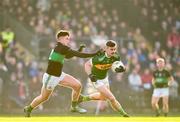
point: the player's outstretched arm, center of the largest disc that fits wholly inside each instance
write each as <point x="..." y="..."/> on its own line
<point x="70" y="55"/>
<point x="82" y="55"/>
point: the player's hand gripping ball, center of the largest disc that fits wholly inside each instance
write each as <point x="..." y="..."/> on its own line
<point x="118" y="67"/>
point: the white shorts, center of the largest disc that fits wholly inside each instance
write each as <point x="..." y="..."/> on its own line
<point x="161" y="92"/>
<point x="50" y="82"/>
<point x="101" y="82"/>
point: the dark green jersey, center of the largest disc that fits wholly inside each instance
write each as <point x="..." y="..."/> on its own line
<point x="57" y="56"/>
<point x="161" y="78"/>
<point x="102" y="63"/>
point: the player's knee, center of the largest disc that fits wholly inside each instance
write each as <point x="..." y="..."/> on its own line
<point x="102" y="97"/>
<point x="44" y="98"/>
<point x="153" y="103"/>
<point x="77" y="86"/>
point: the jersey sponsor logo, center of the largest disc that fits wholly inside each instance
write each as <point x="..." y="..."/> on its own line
<point x="159" y="80"/>
<point x="103" y="66"/>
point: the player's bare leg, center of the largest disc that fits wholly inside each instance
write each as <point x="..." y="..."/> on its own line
<point x="155" y="105"/>
<point x="93" y="96"/>
<point x="105" y="94"/>
<point x="97" y="96"/>
<point x="114" y="103"/>
<point x="44" y="96"/>
<point x="76" y="87"/>
<point x="165" y="105"/>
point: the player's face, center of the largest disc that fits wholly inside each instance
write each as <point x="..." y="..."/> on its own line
<point x="111" y="50"/>
<point x="160" y="64"/>
<point x="64" y="39"/>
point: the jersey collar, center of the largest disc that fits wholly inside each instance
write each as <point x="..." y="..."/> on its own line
<point x="107" y="55"/>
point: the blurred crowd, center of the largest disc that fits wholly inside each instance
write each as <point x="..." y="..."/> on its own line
<point x="143" y="29"/>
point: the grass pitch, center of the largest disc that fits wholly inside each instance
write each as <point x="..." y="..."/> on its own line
<point x="89" y="119"/>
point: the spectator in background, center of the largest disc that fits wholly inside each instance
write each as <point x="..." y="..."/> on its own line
<point x="8" y="38"/>
<point x="134" y="80"/>
<point x="33" y="69"/>
<point x="173" y="90"/>
<point x="138" y="37"/>
<point x="177" y="77"/>
<point x="146" y="78"/>
<point x="43" y="5"/>
<point x="173" y="39"/>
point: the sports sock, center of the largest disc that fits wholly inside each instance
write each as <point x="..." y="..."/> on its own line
<point x="74" y="104"/>
<point x="165" y="114"/>
<point x="121" y="111"/>
<point x="29" y="108"/>
<point x="157" y="112"/>
<point x="83" y="98"/>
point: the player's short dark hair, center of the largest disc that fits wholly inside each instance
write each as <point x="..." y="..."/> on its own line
<point x="111" y="43"/>
<point x="62" y="33"/>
